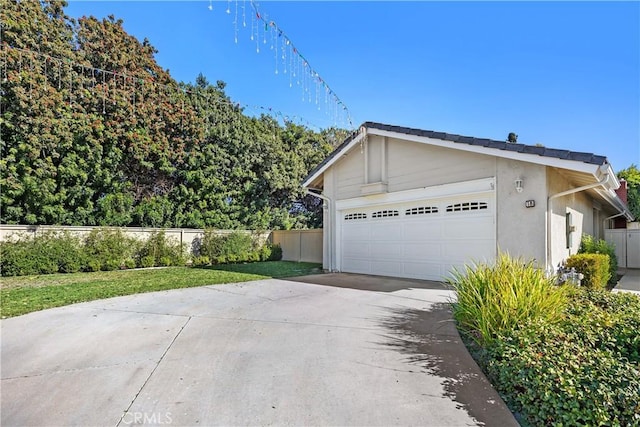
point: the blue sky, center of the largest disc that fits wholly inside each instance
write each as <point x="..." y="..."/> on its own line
<point x="562" y="74"/>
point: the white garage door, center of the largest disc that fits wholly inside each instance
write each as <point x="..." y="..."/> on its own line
<point x="422" y="240"/>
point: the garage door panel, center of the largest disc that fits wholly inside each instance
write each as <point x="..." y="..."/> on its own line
<point x="422" y="250"/>
<point x="418" y="230"/>
<point x="420" y="270"/>
<point x="386" y="250"/>
<point x="357" y="265"/>
<point x="384" y="232"/>
<point x="355" y="231"/>
<point x="423" y="240"/>
<point x="471" y="251"/>
<point x="386" y="268"/>
<point x="356" y="249"/>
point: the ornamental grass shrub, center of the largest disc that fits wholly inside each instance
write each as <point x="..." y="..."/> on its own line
<point x="494" y="299"/>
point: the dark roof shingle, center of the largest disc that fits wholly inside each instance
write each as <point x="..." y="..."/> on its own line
<point x="589" y="158"/>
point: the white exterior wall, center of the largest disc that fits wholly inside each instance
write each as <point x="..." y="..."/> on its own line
<point x="328" y="221"/>
<point x="349" y="174"/>
<point x="413" y="165"/>
<point x="521" y="230"/>
<point x="580" y="205"/>
<point x="401" y="165"/>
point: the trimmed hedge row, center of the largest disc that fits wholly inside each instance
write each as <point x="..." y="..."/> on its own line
<point x="581" y="367"/>
<point x="110" y="249"/>
<point x="594" y="267"/>
<point x="234" y="247"/>
<point x="591" y="245"/>
<point x="582" y="371"/>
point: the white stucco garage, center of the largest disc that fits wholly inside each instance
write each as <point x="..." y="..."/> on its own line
<point x="412" y="203"/>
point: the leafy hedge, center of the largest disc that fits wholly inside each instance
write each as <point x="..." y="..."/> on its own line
<point x="102" y="249"/>
<point x="594" y="267"/>
<point x="582" y="371"/>
<point x="591" y="245"/>
<point x="110" y="249"/>
<point x="235" y="247"/>
<point x="45" y="253"/>
<point x="578" y="366"/>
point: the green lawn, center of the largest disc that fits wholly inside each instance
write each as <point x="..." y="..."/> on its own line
<point x="21" y="295"/>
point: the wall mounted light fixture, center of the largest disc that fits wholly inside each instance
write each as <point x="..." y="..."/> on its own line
<point x="519" y="185"/>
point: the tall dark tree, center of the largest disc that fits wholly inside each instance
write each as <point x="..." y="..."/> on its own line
<point x="632" y="176"/>
<point x="94" y="132"/>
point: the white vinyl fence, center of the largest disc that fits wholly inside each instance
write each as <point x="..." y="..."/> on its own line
<point x="299" y="245"/>
<point x="627" y="244"/>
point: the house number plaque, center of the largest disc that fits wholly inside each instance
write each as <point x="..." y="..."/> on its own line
<point x="529" y="203"/>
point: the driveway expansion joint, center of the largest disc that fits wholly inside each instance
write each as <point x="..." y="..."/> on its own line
<point x="146" y="381"/>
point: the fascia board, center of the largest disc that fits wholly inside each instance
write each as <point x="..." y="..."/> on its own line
<point x="612" y="198"/>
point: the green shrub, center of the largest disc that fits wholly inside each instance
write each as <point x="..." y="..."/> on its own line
<point x="613" y="321"/>
<point x="276" y="252"/>
<point x="93" y="265"/>
<point x="111" y="265"/>
<point x="130" y="263"/>
<point x="63" y="250"/>
<point x="493" y="299"/>
<point x="46" y="253"/>
<point x="590" y="245"/>
<point x="581" y="371"/>
<point x="158" y="246"/>
<point x="594" y="267"/>
<point x="165" y="261"/>
<point x="147" y="261"/>
<point x="212" y="244"/>
<point x="234" y="247"/>
<point x="238" y="245"/>
<point x="14" y="258"/>
<point x="201" y="260"/>
<point x="265" y="252"/>
<point x="109" y="246"/>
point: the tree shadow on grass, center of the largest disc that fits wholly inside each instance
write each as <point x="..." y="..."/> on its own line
<point x="430" y="340"/>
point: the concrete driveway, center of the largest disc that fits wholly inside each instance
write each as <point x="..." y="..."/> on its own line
<point x="332" y="349"/>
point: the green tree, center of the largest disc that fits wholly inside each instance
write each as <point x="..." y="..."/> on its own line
<point x="95" y="132"/>
<point x="632" y="176"/>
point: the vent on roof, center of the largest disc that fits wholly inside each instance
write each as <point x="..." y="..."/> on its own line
<point x="385" y="214"/>
<point x="352" y="216"/>
<point x="422" y="210"/>
<point x="467" y="206"/>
